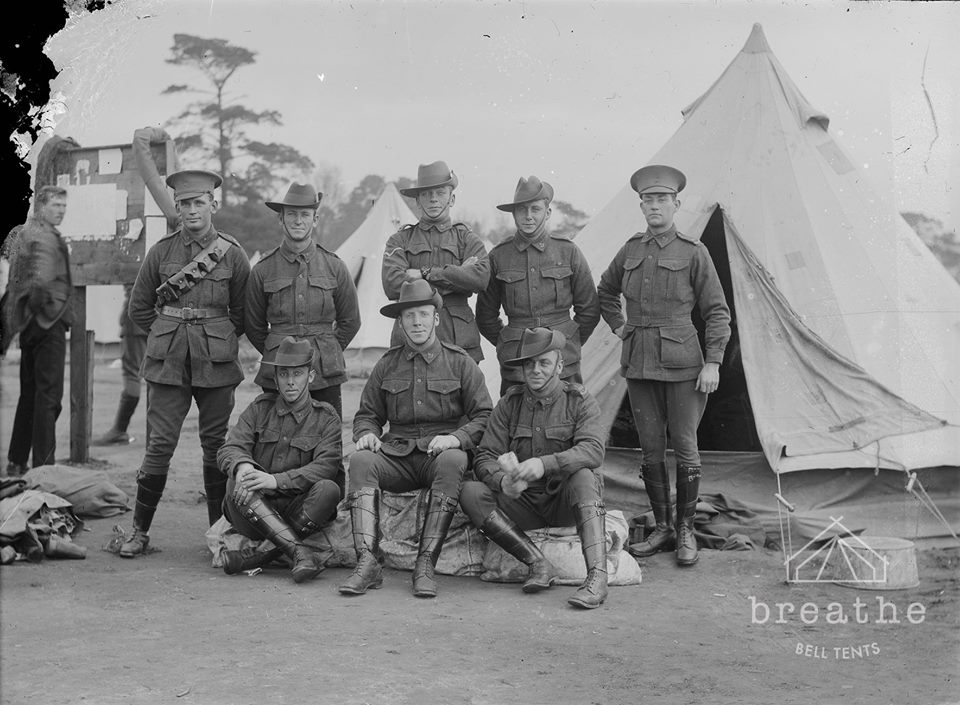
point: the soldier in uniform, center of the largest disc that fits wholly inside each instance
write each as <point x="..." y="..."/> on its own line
<point x="304" y="290"/>
<point x="663" y="274"/>
<point x="539" y="465"/>
<point x="445" y="254"/>
<point x="537" y="278"/>
<point x="284" y="466"/>
<point x="434" y="397"/>
<point x="189" y="295"/>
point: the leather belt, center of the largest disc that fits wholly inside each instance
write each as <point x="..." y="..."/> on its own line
<point x="539" y="321"/>
<point x="642" y="321"/>
<point x="302" y="330"/>
<point x="192" y="314"/>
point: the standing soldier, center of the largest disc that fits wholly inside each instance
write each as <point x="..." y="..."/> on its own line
<point x="444" y="253"/>
<point x="539" y="465"/>
<point x="303" y="290"/>
<point x="537" y="278"/>
<point x="662" y="274"/>
<point x="434" y="398"/>
<point x="189" y="296"/>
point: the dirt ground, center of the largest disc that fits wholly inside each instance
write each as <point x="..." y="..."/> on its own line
<point x="168" y="628"/>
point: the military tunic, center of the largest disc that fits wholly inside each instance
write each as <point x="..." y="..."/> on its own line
<point x="662" y="278"/>
<point x="424" y="393"/>
<point x="210" y="343"/>
<point x="440" y="249"/>
<point x="537" y="282"/>
<point x="307" y="294"/>
<point x="562" y="427"/>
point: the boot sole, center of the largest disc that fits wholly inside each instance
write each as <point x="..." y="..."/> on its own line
<point x="533" y="588"/>
<point x="637" y="553"/>
<point x="687" y="563"/>
<point x="343" y="590"/>
<point x="585" y="605"/>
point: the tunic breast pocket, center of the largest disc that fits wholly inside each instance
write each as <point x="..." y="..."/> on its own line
<point x="559" y="437"/>
<point x="515" y="299"/>
<point x="320" y="306"/>
<point x="673" y="279"/>
<point x="393" y="390"/>
<point x="268" y="437"/>
<point x="562" y="278"/>
<point x="448" y="391"/>
<point x="632" y="283"/>
<point x="522" y="441"/>
<point x="215" y="288"/>
<point x="304" y="445"/>
<point x="418" y="255"/>
<point x="279" y="293"/>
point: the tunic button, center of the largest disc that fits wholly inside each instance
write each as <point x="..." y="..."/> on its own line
<point x="533" y="269"/>
<point x="419" y="402"/>
<point x="538" y="428"/>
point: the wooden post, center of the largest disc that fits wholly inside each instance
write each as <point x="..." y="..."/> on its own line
<point x="81" y="379"/>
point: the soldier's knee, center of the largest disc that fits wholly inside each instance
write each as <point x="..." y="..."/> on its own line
<point x="453" y="459"/>
<point x="361" y="467"/>
<point x="324" y="490"/>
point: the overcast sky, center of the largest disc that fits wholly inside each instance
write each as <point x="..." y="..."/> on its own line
<point x="579" y="93"/>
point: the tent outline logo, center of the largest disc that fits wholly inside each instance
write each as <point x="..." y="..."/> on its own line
<point x="845" y="550"/>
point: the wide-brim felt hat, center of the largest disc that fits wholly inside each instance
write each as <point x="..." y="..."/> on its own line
<point x="537" y="341"/>
<point x="415" y="293"/>
<point x="658" y="178"/>
<point x="528" y="190"/>
<point x="432" y="176"/>
<point x="297" y="196"/>
<point x="292" y="353"/>
<point x="191" y="183"/>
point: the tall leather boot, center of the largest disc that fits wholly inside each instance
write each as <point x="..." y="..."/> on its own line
<point x="118" y="434"/>
<point x="440" y="509"/>
<point x="247" y="559"/>
<point x="688" y="492"/>
<point x="149" y="491"/>
<point x="591" y="525"/>
<point x="268" y="522"/>
<point x="215" y="488"/>
<point x="365" y="518"/>
<point x="656" y="480"/>
<point x="502" y="530"/>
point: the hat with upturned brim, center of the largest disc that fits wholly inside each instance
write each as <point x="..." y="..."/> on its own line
<point x="537" y="341"/>
<point x="191" y="183"/>
<point x="292" y="353"/>
<point x="658" y="178"/>
<point x="432" y="176"/>
<point x="297" y="196"/>
<point x="529" y="190"/>
<point x="415" y="293"/>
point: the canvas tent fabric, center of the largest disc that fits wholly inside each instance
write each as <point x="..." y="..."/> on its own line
<point x="849" y="328"/>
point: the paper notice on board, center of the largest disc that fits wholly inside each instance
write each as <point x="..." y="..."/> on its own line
<point x="134" y="228"/>
<point x="156" y="229"/>
<point x="91" y="212"/>
<point x="111" y="160"/>
<point x="121" y="207"/>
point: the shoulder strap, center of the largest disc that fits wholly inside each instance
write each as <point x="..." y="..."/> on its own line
<point x="193" y="271"/>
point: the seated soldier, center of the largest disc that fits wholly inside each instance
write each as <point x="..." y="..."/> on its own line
<point x="434" y="397"/>
<point x="539" y="465"/>
<point x="284" y="464"/>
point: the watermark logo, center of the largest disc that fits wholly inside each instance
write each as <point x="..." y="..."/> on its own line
<point x="843" y="557"/>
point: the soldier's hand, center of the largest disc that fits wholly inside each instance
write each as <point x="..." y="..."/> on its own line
<point x="369" y="441"/>
<point x="152" y="134"/>
<point x="508" y="463"/>
<point x="258" y="480"/>
<point x="413" y="274"/>
<point x="619" y="331"/>
<point x="530" y="469"/>
<point x="438" y="444"/>
<point x="512" y="487"/>
<point x="472" y="259"/>
<point x="709" y="378"/>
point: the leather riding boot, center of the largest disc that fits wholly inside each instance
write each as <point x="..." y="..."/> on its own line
<point x="436" y="523"/>
<point x="311" y="515"/>
<point x="502" y="530"/>
<point x="688" y="492"/>
<point x="656" y="480"/>
<point x="269" y="523"/>
<point x="591" y="525"/>
<point x="247" y="559"/>
<point x="118" y="434"/>
<point x="365" y="517"/>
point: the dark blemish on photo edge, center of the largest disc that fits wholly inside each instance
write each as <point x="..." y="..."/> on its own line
<point x="25" y="76"/>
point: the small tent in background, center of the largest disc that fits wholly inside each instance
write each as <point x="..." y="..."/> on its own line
<point x="362" y="252"/>
<point x="847" y="329"/>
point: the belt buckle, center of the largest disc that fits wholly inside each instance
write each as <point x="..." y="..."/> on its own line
<point x="187" y="313"/>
